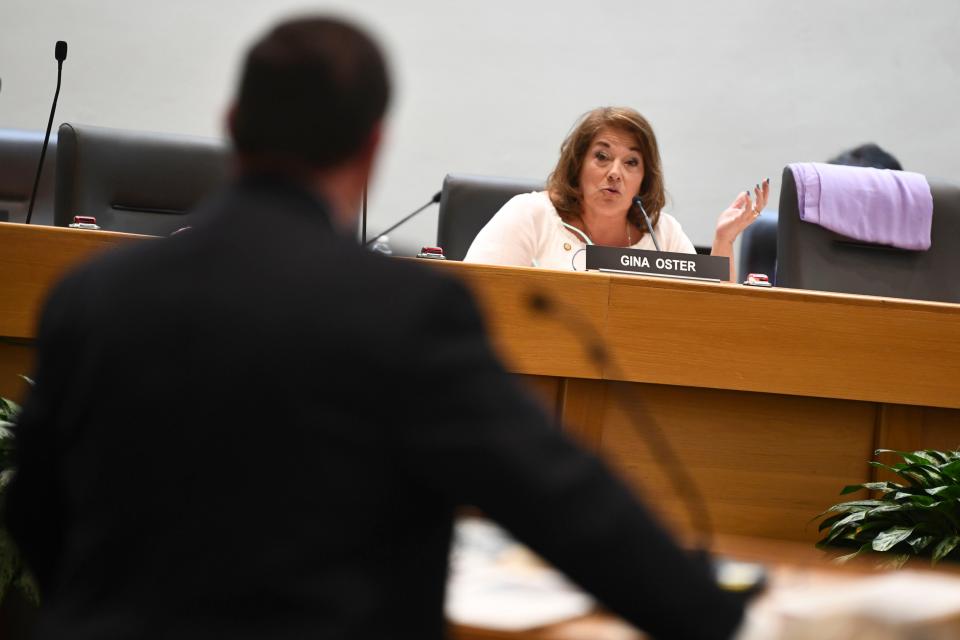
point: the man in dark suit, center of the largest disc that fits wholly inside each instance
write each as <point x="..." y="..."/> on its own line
<point x="257" y="429"/>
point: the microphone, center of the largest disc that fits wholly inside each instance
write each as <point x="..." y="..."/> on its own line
<point x="662" y="452"/>
<point x="435" y="199"/>
<point x="744" y="578"/>
<point x="363" y="216"/>
<point x="60" y="53"/>
<point x="637" y="201"/>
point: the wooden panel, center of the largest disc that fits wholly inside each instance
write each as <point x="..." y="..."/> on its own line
<point x="899" y="427"/>
<point x="538" y="341"/>
<point x="583" y="407"/>
<point x="941" y="429"/>
<point x="546" y="390"/>
<point x="781" y="341"/>
<point x="765" y="464"/>
<point x="724" y="336"/>
<point x="16" y="359"/>
<point x="908" y="428"/>
<point x="32" y="258"/>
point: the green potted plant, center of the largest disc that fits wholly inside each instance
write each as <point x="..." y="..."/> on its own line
<point x="919" y="515"/>
<point x="19" y="596"/>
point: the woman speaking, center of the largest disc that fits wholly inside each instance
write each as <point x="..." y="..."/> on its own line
<point x="609" y="159"/>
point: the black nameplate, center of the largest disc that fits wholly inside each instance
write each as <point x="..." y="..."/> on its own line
<point x="690" y="266"/>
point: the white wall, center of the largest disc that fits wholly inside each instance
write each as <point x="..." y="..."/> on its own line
<point x="735" y="89"/>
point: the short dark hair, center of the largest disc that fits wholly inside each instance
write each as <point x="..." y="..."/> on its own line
<point x="311" y="91"/>
<point x="867" y="155"/>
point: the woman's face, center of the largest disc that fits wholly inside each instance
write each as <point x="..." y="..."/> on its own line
<point x="612" y="172"/>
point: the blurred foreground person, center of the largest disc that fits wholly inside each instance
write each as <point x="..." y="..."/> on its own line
<point x="257" y="429"/>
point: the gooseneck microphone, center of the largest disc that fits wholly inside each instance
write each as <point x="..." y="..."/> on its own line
<point x="60" y="53"/>
<point x="435" y="199"/>
<point x="646" y="219"/>
<point x="363" y="216"/>
<point x="663" y="454"/>
<point x="742" y="580"/>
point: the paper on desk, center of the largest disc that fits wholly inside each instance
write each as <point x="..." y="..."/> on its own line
<point x="495" y="584"/>
<point x="902" y="605"/>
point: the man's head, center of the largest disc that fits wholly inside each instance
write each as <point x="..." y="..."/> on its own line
<point x="312" y="95"/>
<point x="867" y="155"/>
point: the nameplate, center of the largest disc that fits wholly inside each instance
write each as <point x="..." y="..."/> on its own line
<point x="689" y="266"/>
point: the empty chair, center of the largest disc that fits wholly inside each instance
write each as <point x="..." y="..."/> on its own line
<point x="134" y="181"/>
<point x="467" y="203"/>
<point x="19" y="155"/>
<point x="811" y="257"/>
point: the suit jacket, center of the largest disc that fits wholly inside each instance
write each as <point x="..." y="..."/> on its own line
<point x="257" y="429"/>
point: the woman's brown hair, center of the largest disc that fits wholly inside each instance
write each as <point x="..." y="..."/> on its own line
<point x="563" y="185"/>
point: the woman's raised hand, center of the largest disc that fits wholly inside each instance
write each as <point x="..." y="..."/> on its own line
<point x="741" y="213"/>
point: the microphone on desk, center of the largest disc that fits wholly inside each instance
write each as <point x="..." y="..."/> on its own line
<point x="60" y="53"/>
<point x="435" y="199"/>
<point x="646" y="219"/>
<point x="662" y="452"/>
<point x="746" y="579"/>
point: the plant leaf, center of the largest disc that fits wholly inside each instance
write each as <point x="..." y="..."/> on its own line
<point x="893" y="507"/>
<point x="8" y="410"/>
<point x="844" y="526"/>
<point x="850" y="556"/>
<point x="856" y="505"/>
<point x="944" y="548"/>
<point x="828" y="522"/>
<point x="921" y="543"/>
<point x="871" y="486"/>
<point x="951" y="469"/>
<point x="945" y="491"/>
<point x="888" y="539"/>
<point x="896" y="562"/>
<point x="922" y="457"/>
<point x="911" y="478"/>
<point x="914" y="498"/>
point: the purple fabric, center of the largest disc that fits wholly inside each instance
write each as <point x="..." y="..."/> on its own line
<point x="871" y="205"/>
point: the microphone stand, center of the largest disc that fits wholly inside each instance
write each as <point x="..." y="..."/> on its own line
<point x="676" y="473"/>
<point x="646" y="220"/>
<point x="363" y="217"/>
<point x="435" y="199"/>
<point x="664" y="455"/>
<point x="46" y="137"/>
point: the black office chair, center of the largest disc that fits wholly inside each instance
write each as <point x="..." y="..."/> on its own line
<point x="467" y="203"/>
<point x="19" y="155"/>
<point x="811" y="257"/>
<point x="758" y="247"/>
<point x="134" y="181"/>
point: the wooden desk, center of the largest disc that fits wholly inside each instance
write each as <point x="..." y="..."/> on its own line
<point x="773" y="399"/>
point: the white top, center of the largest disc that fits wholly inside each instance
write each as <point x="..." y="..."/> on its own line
<point x="528" y="231"/>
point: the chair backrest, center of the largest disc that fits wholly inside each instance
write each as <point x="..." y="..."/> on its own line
<point x="19" y="155"/>
<point x="467" y="203"/>
<point x="811" y="257"/>
<point x="758" y="247"/>
<point x="134" y="181"/>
